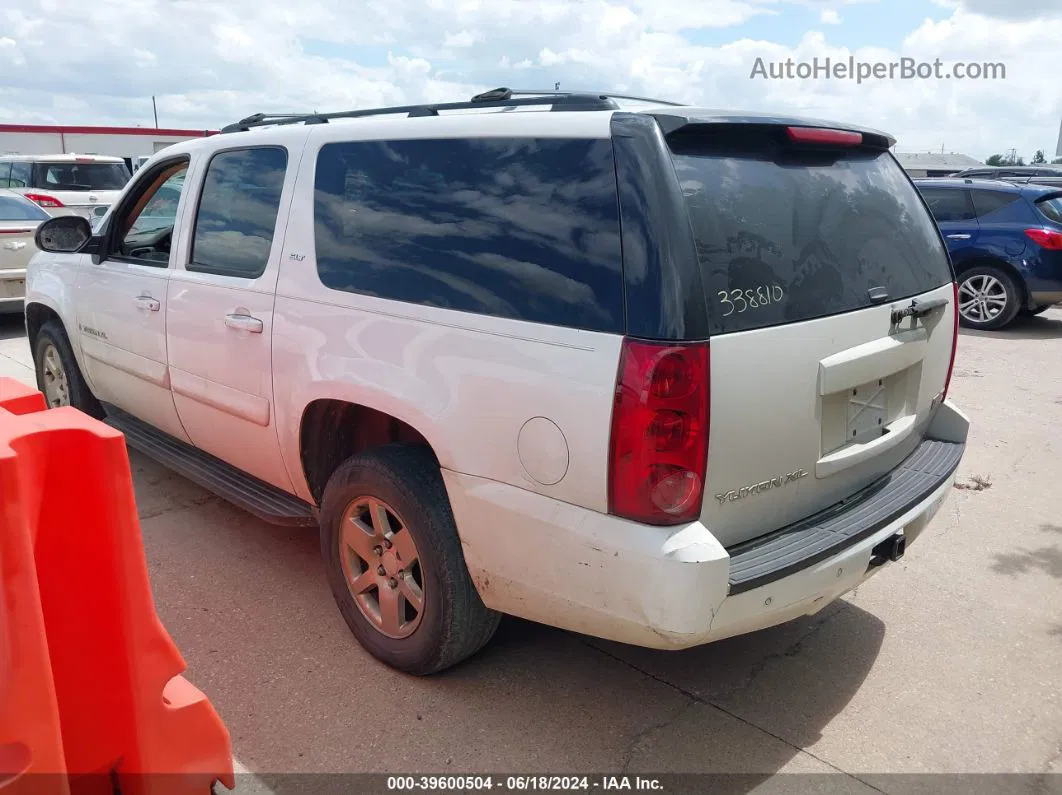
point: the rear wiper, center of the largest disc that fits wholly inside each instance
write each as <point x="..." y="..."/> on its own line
<point x="918" y="309"/>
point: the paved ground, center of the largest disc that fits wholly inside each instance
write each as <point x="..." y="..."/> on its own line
<point x="951" y="662"/>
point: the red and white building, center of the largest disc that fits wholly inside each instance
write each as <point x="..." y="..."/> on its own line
<point x="134" y="144"/>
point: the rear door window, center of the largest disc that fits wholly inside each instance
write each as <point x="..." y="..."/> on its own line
<point x="521" y="228"/>
<point x="987" y="202"/>
<point x="949" y="204"/>
<point x="21" y="175"/>
<point x="784" y="236"/>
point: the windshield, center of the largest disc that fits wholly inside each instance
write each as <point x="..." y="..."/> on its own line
<point x="80" y="176"/>
<point x="19" y="209"/>
<point x="785" y="236"/>
<point x="1051" y="208"/>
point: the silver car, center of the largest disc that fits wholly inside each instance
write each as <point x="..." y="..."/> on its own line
<point x="19" y="219"/>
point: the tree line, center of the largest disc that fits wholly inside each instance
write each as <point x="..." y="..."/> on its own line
<point x="1011" y="159"/>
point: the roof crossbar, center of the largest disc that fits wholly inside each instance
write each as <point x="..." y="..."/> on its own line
<point x="496" y="98"/>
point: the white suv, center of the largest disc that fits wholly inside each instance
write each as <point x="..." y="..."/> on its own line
<point x="84" y="185"/>
<point x="655" y="374"/>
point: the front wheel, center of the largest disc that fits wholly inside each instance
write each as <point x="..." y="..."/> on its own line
<point x="58" y="375"/>
<point x="395" y="563"/>
<point x="989" y="298"/>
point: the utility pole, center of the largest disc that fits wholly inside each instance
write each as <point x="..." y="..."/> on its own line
<point x="155" y="110"/>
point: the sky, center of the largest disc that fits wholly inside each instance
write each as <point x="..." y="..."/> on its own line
<point x="210" y="62"/>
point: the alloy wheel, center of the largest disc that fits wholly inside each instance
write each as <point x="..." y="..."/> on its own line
<point x="56" y="383"/>
<point x="982" y="298"/>
<point x="382" y="567"/>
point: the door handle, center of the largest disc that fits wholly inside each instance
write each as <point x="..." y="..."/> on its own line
<point x="148" y="303"/>
<point x="242" y="322"/>
<point x="958" y="237"/>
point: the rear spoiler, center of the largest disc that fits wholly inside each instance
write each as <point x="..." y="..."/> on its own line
<point x="797" y="130"/>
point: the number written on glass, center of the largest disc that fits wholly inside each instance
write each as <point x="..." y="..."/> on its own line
<point x="753" y="298"/>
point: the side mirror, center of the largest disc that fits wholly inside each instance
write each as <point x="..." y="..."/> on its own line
<point x="63" y="234"/>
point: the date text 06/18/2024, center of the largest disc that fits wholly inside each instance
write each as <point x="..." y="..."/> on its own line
<point x="540" y="783"/>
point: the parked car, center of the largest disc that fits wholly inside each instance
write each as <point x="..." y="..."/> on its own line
<point x="1009" y="172"/>
<point x="1005" y="241"/>
<point x="659" y="375"/>
<point x="19" y="219"/>
<point x="84" y="185"/>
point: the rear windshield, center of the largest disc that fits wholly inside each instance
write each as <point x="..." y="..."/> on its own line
<point x="80" y="176"/>
<point x="785" y="236"/>
<point x="1051" y="208"/>
<point x="19" y="209"/>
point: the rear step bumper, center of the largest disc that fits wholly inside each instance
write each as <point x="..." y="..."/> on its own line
<point x="764" y="560"/>
<point x="673" y="587"/>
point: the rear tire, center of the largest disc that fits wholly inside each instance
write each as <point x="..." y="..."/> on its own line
<point x="58" y="375"/>
<point x="989" y="298"/>
<point x="381" y="511"/>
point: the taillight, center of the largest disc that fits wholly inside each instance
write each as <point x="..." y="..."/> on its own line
<point x="658" y="454"/>
<point x="43" y="199"/>
<point x="954" y="339"/>
<point x="821" y="135"/>
<point x="1047" y="238"/>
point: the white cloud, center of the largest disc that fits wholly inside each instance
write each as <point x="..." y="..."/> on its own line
<point x="209" y="63"/>
<point x="465" y="38"/>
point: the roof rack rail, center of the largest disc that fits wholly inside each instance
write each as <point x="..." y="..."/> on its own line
<point x="495" y="98"/>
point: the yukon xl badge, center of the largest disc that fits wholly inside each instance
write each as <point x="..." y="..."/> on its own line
<point x="758" y="488"/>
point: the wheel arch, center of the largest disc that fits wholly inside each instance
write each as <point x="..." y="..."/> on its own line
<point x="37" y="314"/>
<point x="331" y="430"/>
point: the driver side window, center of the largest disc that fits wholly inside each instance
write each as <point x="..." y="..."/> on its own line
<point x="144" y="233"/>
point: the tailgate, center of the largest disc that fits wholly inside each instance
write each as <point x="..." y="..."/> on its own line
<point x="823" y="379"/>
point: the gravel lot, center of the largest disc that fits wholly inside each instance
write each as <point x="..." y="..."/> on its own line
<point x="950" y="662"/>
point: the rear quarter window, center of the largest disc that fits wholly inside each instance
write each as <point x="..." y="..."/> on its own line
<point x="518" y="228"/>
<point x="784" y="237"/>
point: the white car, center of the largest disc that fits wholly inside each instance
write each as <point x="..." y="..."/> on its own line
<point x="656" y="374"/>
<point x="84" y="185"/>
<point x="19" y="219"/>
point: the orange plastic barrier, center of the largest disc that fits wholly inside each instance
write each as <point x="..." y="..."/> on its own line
<point x="91" y="696"/>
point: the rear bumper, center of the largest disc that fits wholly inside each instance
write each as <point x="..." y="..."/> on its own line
<point x="677" y="587"/>
<point x="12" y="299"/>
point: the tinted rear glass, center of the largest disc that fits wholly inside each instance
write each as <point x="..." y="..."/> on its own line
<point x="80" y="176"/>
<point x="784" y="236"/>
<point x="520" y="228"/>
<point x="949" y="204"/>
<point x="1051" y="208"/>
<point x="987" y="202"/>
<point x="13" y="209"/>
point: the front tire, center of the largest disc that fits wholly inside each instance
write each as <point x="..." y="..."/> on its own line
<point x="395" y="563"/>
<point x="58" y="375"/>
<point x="989" y="298"/>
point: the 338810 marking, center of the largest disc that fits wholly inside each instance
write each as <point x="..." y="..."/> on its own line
<point x="753" y="298"/>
